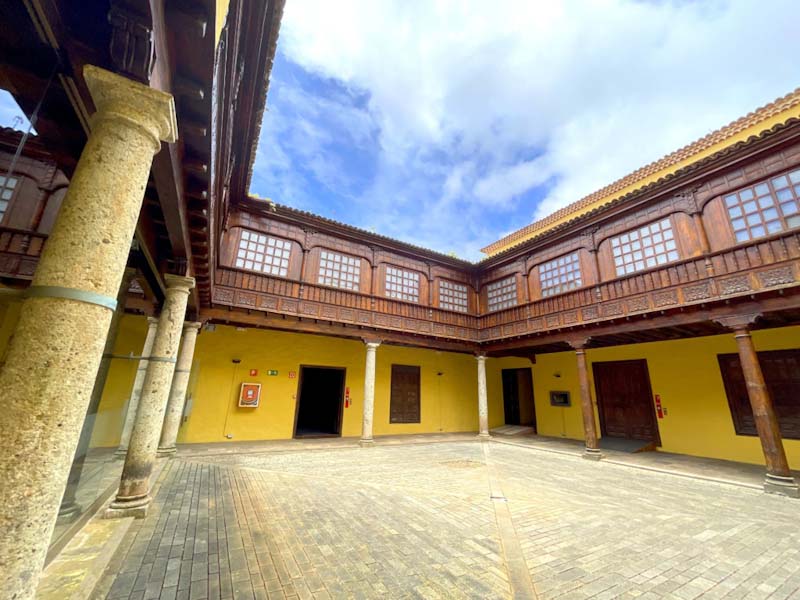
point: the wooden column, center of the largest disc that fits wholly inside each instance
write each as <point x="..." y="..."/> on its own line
<point x="700" y="227"/>
<point x="779" y="478"/>
<point x="592" y="450"/>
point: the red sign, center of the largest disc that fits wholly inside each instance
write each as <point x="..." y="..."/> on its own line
<point x="292" y="374"/>
<point x="659" y="410"/>
<point x="253" y="372"/>
<point x="249" y="395"/>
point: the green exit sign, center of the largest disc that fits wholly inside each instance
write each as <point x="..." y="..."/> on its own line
<point x="272" y="373"/>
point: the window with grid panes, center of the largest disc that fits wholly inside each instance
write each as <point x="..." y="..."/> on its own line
<point x="767" y="207"/>
<point x="7" y="187"/>
<point x="560" y="275"/>
<point x="339" y="270"/>
<point x="453" y="296"/>
<point x="402" y="284"/>
<point x="502" y="294"/>
<point x="644" y="248"/>
<point x="263" y="253"/>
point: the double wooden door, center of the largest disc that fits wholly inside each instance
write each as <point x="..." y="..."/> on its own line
<point x="625" y="400"/>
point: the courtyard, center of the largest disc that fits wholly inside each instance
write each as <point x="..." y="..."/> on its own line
<point x="450" y="519"/>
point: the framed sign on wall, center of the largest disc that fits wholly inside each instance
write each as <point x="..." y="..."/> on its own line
<point x="249" y="395"/>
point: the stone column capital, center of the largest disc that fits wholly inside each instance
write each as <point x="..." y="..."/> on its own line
<point x="192" y="325"/>
<point x="481" y="358"/>
<point x="119" y="98"/>
<point x="177" y="283"/>
<point x="372" y="343"/>
<point x="152" y="321"/>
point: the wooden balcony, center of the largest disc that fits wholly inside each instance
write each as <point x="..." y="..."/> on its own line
<point x="253" y="291"/>
<point x="767" y="264"/>
<point x="19" y="252"/>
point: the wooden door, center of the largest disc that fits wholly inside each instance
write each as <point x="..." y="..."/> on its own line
<point x="404" y="403"/>
<point x="624" y="400"/>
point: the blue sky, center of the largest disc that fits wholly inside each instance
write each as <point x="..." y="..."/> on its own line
<point x="450" y="123"/>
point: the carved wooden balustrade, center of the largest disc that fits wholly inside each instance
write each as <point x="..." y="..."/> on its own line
<point x="769" y="263"/>
<point x="19" y="252"/>
<point x="253" y="291"/>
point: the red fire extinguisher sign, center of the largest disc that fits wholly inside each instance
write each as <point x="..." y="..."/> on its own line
<point x="659" y="410"/>
<point x="347" y="397"/>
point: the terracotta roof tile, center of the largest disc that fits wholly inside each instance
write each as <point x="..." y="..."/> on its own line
<point x="751" y="119"/>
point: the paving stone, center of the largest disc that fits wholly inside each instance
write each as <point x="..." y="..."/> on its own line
<point x="416" y="521"/>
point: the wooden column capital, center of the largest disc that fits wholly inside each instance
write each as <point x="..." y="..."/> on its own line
<point x="578" y="342"/>
<point x="738" y="322"/>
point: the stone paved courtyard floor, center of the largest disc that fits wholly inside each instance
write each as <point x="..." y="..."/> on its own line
<point x="452" y="520"/>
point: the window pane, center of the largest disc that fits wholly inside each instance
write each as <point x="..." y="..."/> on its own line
<point x="655" y="245"/>
<point x="337" y="270"/>
<point x="502" y="294"/>
<point x="402" y="284"/>
<point x="263" y="253"/>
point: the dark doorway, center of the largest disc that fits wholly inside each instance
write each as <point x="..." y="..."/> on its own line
<point x="518" y="397"/>
<point x="625" y="400"/>
<point x="319" y="402"/>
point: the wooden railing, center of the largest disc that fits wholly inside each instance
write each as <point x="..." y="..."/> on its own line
<point x="765" y="264"/>
<point x="19" y="252"/>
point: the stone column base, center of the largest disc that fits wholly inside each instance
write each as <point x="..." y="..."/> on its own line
<point x="121" y="453"/>
<point x="135" y="507"/>
<point x="366" y="443"/>
<point x="69" y="511"/>
<point x="592" y="454"/>
<point x="484" y="435"/>
<point x="166" y="452"/>
<point x="784" y="486"/>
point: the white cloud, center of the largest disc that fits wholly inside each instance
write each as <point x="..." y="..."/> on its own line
<point x="465" y="93"/>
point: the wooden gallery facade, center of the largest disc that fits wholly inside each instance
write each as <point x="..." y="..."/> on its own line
<point x="661" y="312"/>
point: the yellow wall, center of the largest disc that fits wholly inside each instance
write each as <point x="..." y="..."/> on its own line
<point x="448" y="401"/>
<point x="111" y="411"/>
<point x="686" y="375"/>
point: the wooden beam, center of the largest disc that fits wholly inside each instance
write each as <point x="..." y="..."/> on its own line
<point x="288" y="323"/>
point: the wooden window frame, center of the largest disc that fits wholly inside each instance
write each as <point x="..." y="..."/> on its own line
<point x="413" y="418"/>
<point x="7" y="192"/>
<point x="560" y="275"/>
<point x="450" y="296"/>
<point x="764" y="208"/>
<point x="333" y="275"/>
<point x="645" y="247"/>
<point x="741" y="411"/>
<point x="502" y="294"/>
<point x="400" y="289"/>
<point x="279" y="258"/>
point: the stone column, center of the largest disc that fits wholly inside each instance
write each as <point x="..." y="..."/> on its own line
<point x="177" y="395"/>
<point x="369" y="393"/>
<point x="483" y="399"/>
<point x="53" y="359"/>
<point x="133" y="496"/>
<point x="592" y="450"/>
<point x="136" y="392"/>
<point x="69" y="505"/>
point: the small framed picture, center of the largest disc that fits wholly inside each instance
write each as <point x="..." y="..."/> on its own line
<point x="560" y="399"/>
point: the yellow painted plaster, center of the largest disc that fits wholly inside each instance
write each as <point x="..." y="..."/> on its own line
<point x="685" y="373"/>
<point x="448" y="401"/>
<point x="111" y="411"/>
